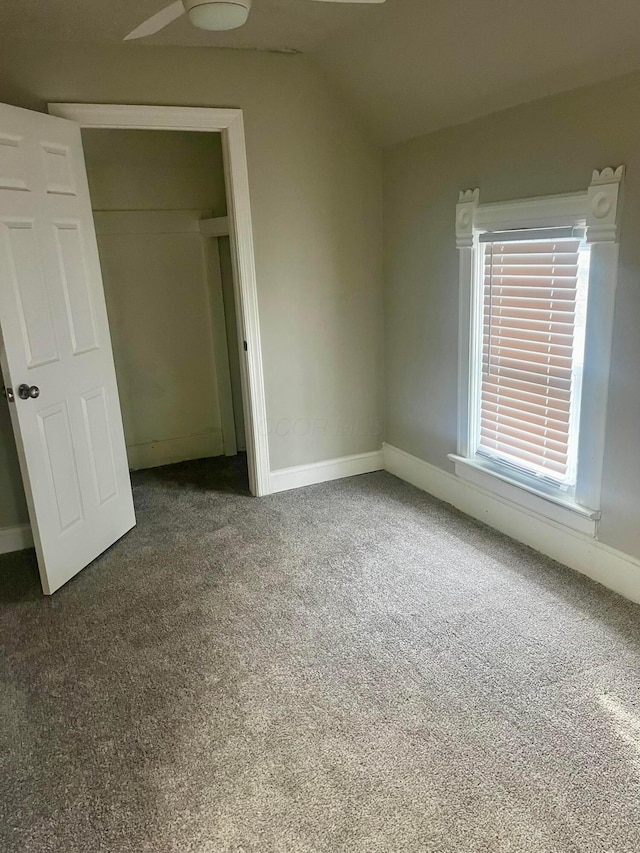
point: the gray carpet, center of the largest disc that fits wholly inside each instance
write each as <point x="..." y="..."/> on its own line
<point x="349" y="667"/>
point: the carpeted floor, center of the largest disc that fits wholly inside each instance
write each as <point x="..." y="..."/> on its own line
<point x="348" y="668"/>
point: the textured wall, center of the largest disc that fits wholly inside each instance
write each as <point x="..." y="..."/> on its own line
<point x="315" y="183"/>
<point x="547" y="147"/>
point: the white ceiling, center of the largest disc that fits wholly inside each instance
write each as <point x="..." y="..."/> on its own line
<point x="409" y="66"/>
<point x="300" y="25"/>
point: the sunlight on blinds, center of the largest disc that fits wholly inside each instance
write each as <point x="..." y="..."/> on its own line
<point x="534" y="312"/>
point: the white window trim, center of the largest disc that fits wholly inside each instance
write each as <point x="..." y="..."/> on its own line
<point x="597" y="208"/>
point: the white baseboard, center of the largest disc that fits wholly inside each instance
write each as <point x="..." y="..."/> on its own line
<point x="15" y="538"/>
<point x="170" y="450"/>
<point x="320" y="472"/>
<point x="613" y="569"/>
<point x="604" y="564"/>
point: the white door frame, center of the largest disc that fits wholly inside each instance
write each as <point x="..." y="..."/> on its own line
<point x="229" y="123"/>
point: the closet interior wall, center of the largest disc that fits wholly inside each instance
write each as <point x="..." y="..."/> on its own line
<point x="169" y="291"/>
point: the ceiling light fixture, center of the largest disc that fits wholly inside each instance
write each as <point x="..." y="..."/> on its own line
<point x="218" y="14"/>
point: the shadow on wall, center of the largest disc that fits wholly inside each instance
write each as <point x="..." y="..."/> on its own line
<point x="13" y="506"/>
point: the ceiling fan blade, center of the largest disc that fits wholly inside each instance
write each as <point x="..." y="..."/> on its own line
<point x="158" y="21"/>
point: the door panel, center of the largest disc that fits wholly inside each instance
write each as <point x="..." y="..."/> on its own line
<point x="58" y="167"/>
<point x="55" y="337"/>
<point x="25" y="267"/>
<point x="96" y="420"/>
<point x="75" y="283"/>
<point x="57" y="450"/>
<point x="13" y="165"/>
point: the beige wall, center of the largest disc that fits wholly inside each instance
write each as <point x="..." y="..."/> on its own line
<point x="156" y="285"/>
<point x="550" y="146"/>
<point x="315" y="187"/>
<point x="157" y="293"/>
<point x="155" y="170"/>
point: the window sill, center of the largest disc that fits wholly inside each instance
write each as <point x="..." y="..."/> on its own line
<point x="561" y="510"/>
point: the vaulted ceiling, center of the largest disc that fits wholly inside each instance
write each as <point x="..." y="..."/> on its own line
<point x="408" y="66"/>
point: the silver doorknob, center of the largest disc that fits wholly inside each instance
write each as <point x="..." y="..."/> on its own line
<point x="28" y="392"/>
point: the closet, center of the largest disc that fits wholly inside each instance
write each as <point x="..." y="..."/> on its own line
<point x="159" y="205"/>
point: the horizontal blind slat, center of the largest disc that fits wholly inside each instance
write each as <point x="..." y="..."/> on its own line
<point x="536" y="259"/>
<point x="520" y="445"/>
<point x="495" y="301"/>
<point x="567" y="294"/>
<point x="505" y="333"/>
<point x="538" y="315"/>
<point x="523" y="345"/>
<point x="534" y="246"/>
<point x="530" y="371"/>
<point x="524" y="271"/>
<point x="534" y="434"/>
<point x="527" y="323"/>
<point x="525" y="411"/>
<point x="517" y="457"/>
<point x="522" y="448"/>
<point x="552" y="356"/>
<point x="515" y="386"/>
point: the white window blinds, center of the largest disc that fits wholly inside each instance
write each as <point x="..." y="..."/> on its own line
<point x="532" y="351"/>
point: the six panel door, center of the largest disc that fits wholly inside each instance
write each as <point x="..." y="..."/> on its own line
<point x="56" y="347"/>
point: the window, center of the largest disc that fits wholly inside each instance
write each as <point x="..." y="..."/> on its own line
<point x="533" y="323"/>
<point x="537" y="286"/>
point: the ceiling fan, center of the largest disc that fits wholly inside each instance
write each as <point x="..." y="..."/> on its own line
<point x="207" y="15"/>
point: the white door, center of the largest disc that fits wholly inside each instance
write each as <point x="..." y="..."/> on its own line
<point x="56" y="345"/>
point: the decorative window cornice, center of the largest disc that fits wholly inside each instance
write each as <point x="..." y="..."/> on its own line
<point x="598" y="207"/>
<point x="465" y="216"/>
<point x="602" y="213"/>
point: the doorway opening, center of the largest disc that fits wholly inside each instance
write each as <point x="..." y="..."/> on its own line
<point x="161" y="219"/>
<point x="229" y="124"/>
